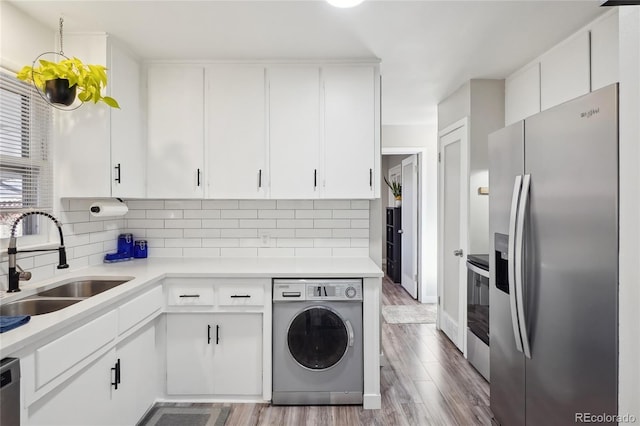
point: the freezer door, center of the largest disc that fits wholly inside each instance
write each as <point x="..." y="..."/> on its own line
<point x="571" y="255"/>
<point x="506" y="163"/>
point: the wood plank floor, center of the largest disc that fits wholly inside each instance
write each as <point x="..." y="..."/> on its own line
<point x="426" y="381"/>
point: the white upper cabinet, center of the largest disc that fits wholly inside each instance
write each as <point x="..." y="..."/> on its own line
<point x="522" y="94"/>
<point x="349" y="131"/>
<point x="294" y="131"/>
<point x="236" y="147"/>
<point x="604" y="52"/>
<point x="97" y="144"/>
<point x="564" y="71"/>
<point x="175" y="150"/>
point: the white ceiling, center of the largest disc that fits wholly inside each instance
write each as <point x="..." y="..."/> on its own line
<point x="427" y="48"/>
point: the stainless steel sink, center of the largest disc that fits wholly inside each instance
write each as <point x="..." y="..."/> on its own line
<point x="35" y="306"/>
<point x="82" y="288"/>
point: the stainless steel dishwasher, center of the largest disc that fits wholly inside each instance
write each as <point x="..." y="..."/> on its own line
<point x="10" y="391"/>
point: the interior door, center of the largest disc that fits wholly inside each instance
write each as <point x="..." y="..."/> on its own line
<point x="453" y="227"/>
<point x="409" y="275"/>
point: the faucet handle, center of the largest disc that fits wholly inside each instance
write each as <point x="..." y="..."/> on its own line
<point x="22" y="274"/>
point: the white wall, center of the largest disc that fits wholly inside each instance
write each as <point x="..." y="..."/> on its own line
<point x="629" y="296"/>
<point x="400" y="139"/>
<point x="22" y="38"/>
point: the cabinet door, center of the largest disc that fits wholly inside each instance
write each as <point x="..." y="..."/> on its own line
<point x="175" y="132"/>
<point x="190" y="345"/>
<point x="237" y="354"/>
<point x="84" y="400"/>
<point x="83" y="153"/>
<point x="564" y="72"/>
<point x="294" y="134"/>
<point x="236" y="134"/>
<point x="138" y="377"/>
<point x="522" y="94"/>
<point x="604" y="52"/>
<point x="128" y="162"/>
<point x="349" y="132"/>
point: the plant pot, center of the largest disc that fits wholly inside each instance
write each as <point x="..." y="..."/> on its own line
<point x="59" y="92"/>
<point x="398" y="202"/>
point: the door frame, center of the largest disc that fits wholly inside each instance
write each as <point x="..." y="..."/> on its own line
<point x="425" y="262"/>
<point x="464" y="230"/>
<point x="412" y="161"/>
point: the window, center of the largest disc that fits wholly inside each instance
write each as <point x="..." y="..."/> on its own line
<point x="25" y="164"/>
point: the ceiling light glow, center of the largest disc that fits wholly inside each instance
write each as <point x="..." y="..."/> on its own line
<point x="344" y="3"/>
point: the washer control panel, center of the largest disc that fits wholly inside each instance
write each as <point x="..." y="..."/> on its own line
<point x="317" y="289"/>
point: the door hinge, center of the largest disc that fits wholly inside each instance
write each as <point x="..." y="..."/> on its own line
<point x="439" y="158"/>
<point x="438" y="300"/>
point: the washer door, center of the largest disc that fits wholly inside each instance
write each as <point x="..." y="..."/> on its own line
<point x="318" y="338"/>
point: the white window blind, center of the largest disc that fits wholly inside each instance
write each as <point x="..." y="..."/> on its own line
<point x="26" y="181"/>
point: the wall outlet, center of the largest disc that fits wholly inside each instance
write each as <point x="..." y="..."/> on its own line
<point x="265" y="239"/>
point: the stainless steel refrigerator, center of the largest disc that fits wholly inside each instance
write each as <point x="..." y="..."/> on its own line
<point x="553" y="223"/>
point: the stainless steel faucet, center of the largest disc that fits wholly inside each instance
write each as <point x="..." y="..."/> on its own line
<point x="16" y="274"/>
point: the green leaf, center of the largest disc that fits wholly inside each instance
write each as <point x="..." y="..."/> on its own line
<point x="84" y="96"/>
<point x="111" y="102"/>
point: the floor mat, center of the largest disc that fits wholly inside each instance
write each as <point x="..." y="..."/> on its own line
<point x="186" y="416"/>
<point x="425" y="313"/>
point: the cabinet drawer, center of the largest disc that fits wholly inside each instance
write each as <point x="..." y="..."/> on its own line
<point x="131" y="313"/>
<point x="240" y="295"/>
<point x="63" y="353"/>
<point x="190" y="295"/>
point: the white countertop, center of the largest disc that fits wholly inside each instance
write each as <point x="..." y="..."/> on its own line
<point x="146" y="272"/>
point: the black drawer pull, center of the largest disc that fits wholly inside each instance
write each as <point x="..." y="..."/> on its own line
<point x="116" y="370"/>
<point x="240" y="296"/>
<point x="189" y="295"/>
<point x="217" y="334"/>
<point x="208" y="335"/>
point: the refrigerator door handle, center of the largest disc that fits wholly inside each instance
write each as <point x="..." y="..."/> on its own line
<point x="517" y="185"/>
<point x="522" y="208"/>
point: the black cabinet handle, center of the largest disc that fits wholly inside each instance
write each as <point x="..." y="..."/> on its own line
<point x="217" y="334"/>
<point x="208" y="335"/>
<point x="243" y="296"/>
<point x="315" y="178"/>
<point x="371" y="178"/>
<point x="198" y="177"/>
<point x="260" y="178"/>
<point x="189" y="295"/>
<point x="116" y="370"/>
<point x="119" y="171"/>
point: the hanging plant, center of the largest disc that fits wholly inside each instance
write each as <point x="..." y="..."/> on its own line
<point x="60" y="81"/>
<point x="88" y="80"/>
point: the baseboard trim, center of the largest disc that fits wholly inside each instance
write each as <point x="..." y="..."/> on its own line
<point x="371" y="401"/>
<point x="430" y="299"/>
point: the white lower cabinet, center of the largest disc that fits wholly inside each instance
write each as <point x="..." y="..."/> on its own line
<point x="102" y="395"/>
<point x="214" y="354"/>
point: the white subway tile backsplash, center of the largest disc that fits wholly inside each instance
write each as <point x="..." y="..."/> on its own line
<point x="331" y="223"/>
<point x="183" y="204"/>
<point x="358" y="223"/>
<point x="359" y="242"/>
<point x="294" y="204"/>
<point x="201" y="252"/>
<point x="45" y="259"/>
<point x="76" y="205"/>
<point x="350" y="252"/>
<point x="155" y="242"/>
<point x="219" y="204"/>
<point x="202" y="214"/>
<point x="74" y="217"/>
<point x="239" y="214"/>
<point x="360" y="204"/>
<point x="332" y="242"/>
<point x="166" y="252"/>
<point x="257" y="223"/>
<point x="136" y="214"/>
<point x="145" y="223"/>
<point x="295" y="223"/>
<point x="220" y="223"/>
<point x="183" y="242"/>
<point x="220" y="242"/>
<point x="276" y="214"/>
<point x="239" y="233"/>
<point x="183" y="223"/>
<point x="165" y="233"/>
<point x="351" y="214"/>
<point x="313" y="214"/>
<point x="277" y="233"/>
<point x="87" y="227"/>
<point x="276" y="252"/>
<point x="256" y="242"/>
<point x="350" y="233"/>
<point x="88" y="249"/>
<point x="313" y="233"/>
<point x="145" y="204"/>
<point x="98" y="237"/>
<point x="138" y="233"/>
<point x="239" y="252"/>
<point x="164" y="214"/>
<point x="313" y="252"/>
<point x="96" y="259"/>
<point x="202" y="233"/>
<point x="294" y="242"/>
<point x="113" y="225"/>
<point x="331" y="204"/>
<point x="75" y="240"/>
<point x="257" y="204"/>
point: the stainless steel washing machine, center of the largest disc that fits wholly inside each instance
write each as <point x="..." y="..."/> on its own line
<point x="317" y="342"/>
